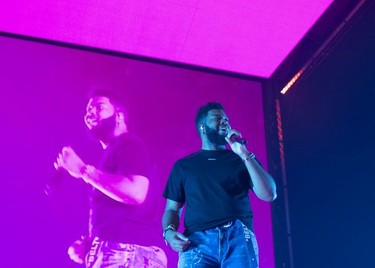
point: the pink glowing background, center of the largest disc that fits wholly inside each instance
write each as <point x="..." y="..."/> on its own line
<point x="247" y="37"/>
<point x="43" y="95"/>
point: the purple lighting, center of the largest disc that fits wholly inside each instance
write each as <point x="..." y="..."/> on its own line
<point x="247" y="37"/>
<point x="45" y="96"/>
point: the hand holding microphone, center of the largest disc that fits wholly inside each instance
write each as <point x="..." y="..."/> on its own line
<point x="70" y="161"/>
<point x="67" y="162"/>
<point x="238" y="144"/>
<point x="234" y="136"/>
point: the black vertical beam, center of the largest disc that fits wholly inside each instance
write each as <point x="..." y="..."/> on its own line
<point x="276" y="165"/>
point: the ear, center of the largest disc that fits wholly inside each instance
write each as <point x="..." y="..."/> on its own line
<point x="201" y="127"/>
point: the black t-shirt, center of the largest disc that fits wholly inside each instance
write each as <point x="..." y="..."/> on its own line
<point x="214" y="185"/>
<point x="118" y="222"/>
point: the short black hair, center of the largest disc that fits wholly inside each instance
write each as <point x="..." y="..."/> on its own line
<point x="114" y="96"/>
<point x="203" y="111"/>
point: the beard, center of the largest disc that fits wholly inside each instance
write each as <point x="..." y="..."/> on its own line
<point x="105" y="129"/>
<point x="214" y="137"/>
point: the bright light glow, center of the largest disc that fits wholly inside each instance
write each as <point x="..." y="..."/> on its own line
<point x="246" y="37"/>
<point x="291" y="82"/>
<point x="43" y="105"/>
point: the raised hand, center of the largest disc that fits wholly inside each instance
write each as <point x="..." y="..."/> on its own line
<point x="237" y="147"/>
<point x="70" y="161"/>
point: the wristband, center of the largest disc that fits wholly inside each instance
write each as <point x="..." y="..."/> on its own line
<point x="87" y="172"/>
<point x="169" y="227"/>
<point x="250" y="156"/>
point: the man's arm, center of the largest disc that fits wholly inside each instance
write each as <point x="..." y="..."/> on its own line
<point x="264" y="185"/>
<point x="170" y="223"/>
<point x="126" y="189"/>
<point x="172" y="214"/>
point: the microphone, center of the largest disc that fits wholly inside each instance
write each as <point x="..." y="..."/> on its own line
<point x="237" y="138"/>
<point x="54" y="181"/>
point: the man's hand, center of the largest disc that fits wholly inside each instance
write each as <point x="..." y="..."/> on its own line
<point x="176" y="240"/>
<point x="70" y="161"/>
<point x="79" y="249"/>
<point x="238" y="148"/>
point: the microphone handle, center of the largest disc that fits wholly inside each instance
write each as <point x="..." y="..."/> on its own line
<point x="54" y="182"/>
<point x="236" y="138"/>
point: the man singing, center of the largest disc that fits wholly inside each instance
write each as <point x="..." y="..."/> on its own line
<point x="122" y="216"/>
<point x="213" y="184"/>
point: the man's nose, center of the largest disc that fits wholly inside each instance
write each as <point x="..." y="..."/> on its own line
<point x="224" y="121"/>
<point x="91" y="111"/>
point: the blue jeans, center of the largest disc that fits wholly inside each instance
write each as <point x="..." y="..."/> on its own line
<point x="231" y="246"/>
<point x="119" y="255"/>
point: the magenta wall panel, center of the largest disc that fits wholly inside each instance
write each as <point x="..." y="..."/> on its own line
<point x="43" y="99"/>
<point x="247" y="37"/>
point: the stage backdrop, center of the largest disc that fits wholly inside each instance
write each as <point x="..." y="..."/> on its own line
<point x="43" y="98"/>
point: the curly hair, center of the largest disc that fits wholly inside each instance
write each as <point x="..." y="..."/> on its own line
<point x="115" y="98"/>
<point x="203" y="111"/>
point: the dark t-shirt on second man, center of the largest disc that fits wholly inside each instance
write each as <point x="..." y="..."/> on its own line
<point x="214" y="186"/>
